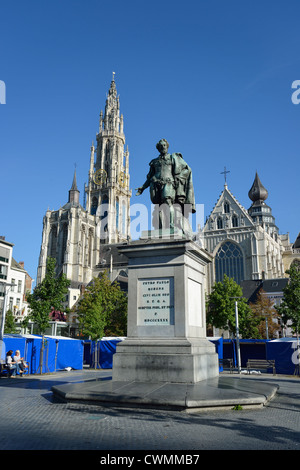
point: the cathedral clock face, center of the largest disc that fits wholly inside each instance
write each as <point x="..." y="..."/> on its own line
<point x="100" y="176"/>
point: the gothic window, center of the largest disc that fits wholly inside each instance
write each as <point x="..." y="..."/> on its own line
<point x="64" y="242"/>
<point x="219" y="223"/>
<point x="94" y="206"/>
<point x="226" y="207"/>
<point x="53" y="242"/>
<point x="235" y="221"/>
<point x="90" y="247"/>
<point x="117" y="213"/>
<point x="104" y="217"/>
<point x="123" y="217"/>
<point x="229" y="260"/>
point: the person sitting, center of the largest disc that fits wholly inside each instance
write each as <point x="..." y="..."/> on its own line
<point x="20" y="361"/>
<point x="12" y="366"/>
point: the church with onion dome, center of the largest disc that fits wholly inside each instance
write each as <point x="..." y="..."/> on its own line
<point x="245" y="243"/>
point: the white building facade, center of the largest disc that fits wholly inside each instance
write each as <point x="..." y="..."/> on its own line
<point x="14" y="283"/>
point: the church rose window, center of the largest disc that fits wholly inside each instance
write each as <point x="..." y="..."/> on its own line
<point x="229" y="260"/>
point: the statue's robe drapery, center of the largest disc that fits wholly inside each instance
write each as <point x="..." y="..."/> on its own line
<point x="181" y="188"/>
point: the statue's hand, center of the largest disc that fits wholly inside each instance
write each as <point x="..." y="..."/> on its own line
<point x="139" y="191"/>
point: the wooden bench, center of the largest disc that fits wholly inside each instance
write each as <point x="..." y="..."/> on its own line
<point x="261" y="364"/>
<point x="4" y="368"/>
<point x="226" y="363"/>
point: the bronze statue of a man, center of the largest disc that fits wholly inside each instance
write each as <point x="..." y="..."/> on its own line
<point x="170" y="181"/>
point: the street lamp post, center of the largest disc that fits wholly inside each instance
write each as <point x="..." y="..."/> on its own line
<point x="237" y="334"/>
<point x="237" y="337"/>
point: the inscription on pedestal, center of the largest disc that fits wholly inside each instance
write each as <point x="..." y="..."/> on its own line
<point x="156" y="301"/>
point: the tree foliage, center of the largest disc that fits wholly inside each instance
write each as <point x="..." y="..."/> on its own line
<point x="221" y="309"/>
<point x="10" y="324"/>
<point x="264" y="309"/>
<point x="102" y="310"/>
<point x="49" y="295"/>
<point x="289" y="309"/>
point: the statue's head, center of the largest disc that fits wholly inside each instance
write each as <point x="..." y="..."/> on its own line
<point x="162" y="145"/>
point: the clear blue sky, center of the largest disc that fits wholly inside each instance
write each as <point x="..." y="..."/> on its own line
<point x="212" y="77"/>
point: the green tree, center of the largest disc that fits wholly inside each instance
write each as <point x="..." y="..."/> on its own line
<point x="289" y="308"/>
<point x="10" y="325"/>
<point x="264" y="309"/>
<point x="49" y="295"/>
<point x="102" y="309"/>
<point x="221" y="309"/>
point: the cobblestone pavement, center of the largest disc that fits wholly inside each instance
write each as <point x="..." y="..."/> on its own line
<point x="32" y="419"/>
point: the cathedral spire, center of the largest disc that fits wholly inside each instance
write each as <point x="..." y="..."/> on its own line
<point x="111" y="120"/>
<point x="109" y="171"/>
<point x="74" y="192"/>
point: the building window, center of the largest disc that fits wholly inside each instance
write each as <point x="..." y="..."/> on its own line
<point x="123" y="217"/>
<point x="117" y="213"/>
<point x="229" y="260"/>
<point x="13" y="281"/>
<point x="219" y="223"/>
<point x="11" y="304"/>
<point x="226" y="207"/>
<point x="104" y="217"/>
<point x="64" y="242"/>
<point x="53" y="241"/>
<point x="19" y="286"/>
<point x="235" y="221"/>
<point x="3" y="271"/>
<point x="94" y="206"/>
<point x="2" y="293"/>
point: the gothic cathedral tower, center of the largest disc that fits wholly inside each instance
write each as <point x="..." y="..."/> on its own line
<point x="76" y="236"/>
<point x="107" y="193"/>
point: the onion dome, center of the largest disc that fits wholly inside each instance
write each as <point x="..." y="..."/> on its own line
<point x="258" y="192"/>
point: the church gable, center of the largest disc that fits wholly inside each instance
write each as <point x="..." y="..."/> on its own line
<point x="228" y="213"/>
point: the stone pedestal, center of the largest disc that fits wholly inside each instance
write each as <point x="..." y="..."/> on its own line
<point x="166" y="332"/>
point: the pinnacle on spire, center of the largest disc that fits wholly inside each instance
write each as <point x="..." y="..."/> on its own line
<point x="74" y="184"/>
<point x="111" y="120"/>
<point x="74" y="192"/>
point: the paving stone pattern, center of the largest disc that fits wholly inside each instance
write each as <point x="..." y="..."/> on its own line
<point x="32" y="419"/>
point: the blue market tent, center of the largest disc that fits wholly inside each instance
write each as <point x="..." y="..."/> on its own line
<point x="103" y="350"/>
<point x="249" y="349"/>
<point x="108" y="347"/>
<point x="59" y="353"/>
<point x="284" y="351"/>
<point x="218" y="342"/>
